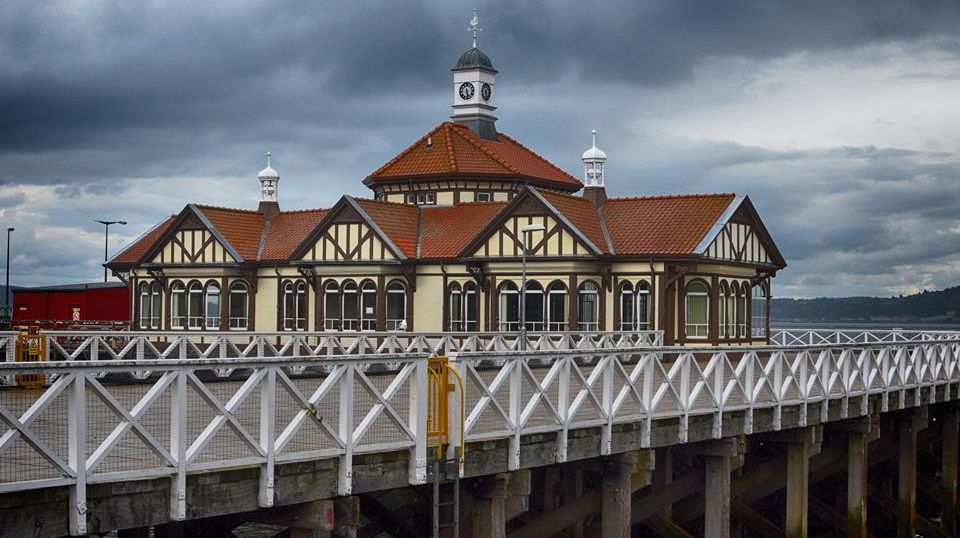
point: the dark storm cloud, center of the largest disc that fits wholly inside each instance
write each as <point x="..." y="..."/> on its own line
<point x="100" y="100"/>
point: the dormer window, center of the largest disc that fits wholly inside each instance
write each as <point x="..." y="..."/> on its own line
<point x="484" y="196"/>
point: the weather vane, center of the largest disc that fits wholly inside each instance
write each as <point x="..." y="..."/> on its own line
<point x="475" y="26"/>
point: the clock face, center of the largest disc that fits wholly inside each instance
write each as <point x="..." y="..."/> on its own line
<point x="485" y="91"/>
<point x="466" y="91"/>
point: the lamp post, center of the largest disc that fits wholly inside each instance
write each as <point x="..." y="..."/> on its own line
<point x="106" y="239"/>
<point x="6" y="289"/>
<point x="525" y="231"/>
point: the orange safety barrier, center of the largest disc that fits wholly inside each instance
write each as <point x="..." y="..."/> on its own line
<point x="438" y="414"/>
<point x="31" y="347"/>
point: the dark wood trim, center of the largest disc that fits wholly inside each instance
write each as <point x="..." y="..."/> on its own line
<point x="573" y="306"/>
<point x="224" y="304"/>
<point x="713" y="332"/>
<point x="617" y="303"/>
<point x="381" y="314"/>
<point x="445" y="320"/>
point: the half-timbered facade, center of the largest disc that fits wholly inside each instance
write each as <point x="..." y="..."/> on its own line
<point x="455" y="221"/>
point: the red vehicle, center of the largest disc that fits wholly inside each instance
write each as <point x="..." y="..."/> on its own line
<point x="100" y="305"/>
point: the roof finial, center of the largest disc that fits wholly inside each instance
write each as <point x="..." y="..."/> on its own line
<point x="475" y="26"/>
<point x="269" y="154"/>
<point x="594" y="133"/>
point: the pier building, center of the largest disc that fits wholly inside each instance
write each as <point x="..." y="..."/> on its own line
<point x="454" y="222"/>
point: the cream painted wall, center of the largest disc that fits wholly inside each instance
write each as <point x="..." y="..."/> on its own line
<point x="445" y="198"/>
<point x="266" y="302"/>
<point x="428" y="303"/>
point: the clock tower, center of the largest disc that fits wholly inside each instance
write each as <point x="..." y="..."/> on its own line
<point x="474" y="84"/>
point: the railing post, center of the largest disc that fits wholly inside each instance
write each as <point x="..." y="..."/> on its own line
<point x="563" y="407"/>
<point x="456" y="401"/>
<point x="345" y="478"/>
<point x="606" y="434"/>
<point x="516" y="410"/>
<point x="268" y="399"/>
<point x="418" y="420"/>
<point x="178" y="447"/>
<point x="77" y="443"/>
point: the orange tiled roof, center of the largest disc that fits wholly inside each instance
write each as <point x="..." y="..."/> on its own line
<point x="398" y="221"/>
<point x="662" y="225"/>
<point x="241" y="228"/>
<point x="581" y="213"/>
<point x="448" y="229"/>
<point x="133" y="252"/>
<point x="452" y="149"/>
<point x="285" y="232"/>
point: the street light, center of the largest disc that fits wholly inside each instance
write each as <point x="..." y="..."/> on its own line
<point x="528" y="229"/>
<point x="6" y="289"/>
<point x="106" y="239"/>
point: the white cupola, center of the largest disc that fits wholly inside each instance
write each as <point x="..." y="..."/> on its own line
<point x="594" y="161"/>
<point x="268" y="182"/>
<point x="268" y="190"/>
<point x="474" y="81"/>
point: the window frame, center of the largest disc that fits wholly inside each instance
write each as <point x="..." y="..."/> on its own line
<point x="392" y="291"/>
<point x="178" y="305"/>
<point x="212" y="285"/>
<point x="195" y="297"/>
<point x="585" y="290"/>
<point x="238" y="288"/>
<point x="687" y="324"/>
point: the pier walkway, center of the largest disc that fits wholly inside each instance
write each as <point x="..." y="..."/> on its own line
<point x="128" y="430"/>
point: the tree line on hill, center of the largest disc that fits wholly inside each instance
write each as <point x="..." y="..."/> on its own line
<point x="924" y="307"/>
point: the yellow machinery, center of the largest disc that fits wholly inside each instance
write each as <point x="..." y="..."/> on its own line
<point x="31" y="347"/>
<point x="437" y="404"/>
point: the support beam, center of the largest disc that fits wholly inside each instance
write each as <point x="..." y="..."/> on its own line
<point x="907" y="475"/>
<point x="755" y="521"/>
<point x="950" y="424"/>
<point x="857" y="468"/>
<point x="716" y="517"/>
<point x="798" y="484"/>
<point x="573" y="489"/>
<point x="489" y="514"/>
<point x="346" y="517"/>
<point x="617" y="495"/>
<point x="663" y="474"/>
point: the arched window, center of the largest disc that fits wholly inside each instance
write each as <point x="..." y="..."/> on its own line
<point x="557" y="307"/>
<point x="178" y="305"/>
<point x="295" y="306"/>
<point x="509" y="307"/>
<point x="368" y="303"/>
<point x="455" y="307"/>
<point x="396" y="306"/>
<point x="331" y="306"/>
<point x="211" y="305"/>
<point x="533" y="307"/>
<point x="462" y="304"/>
<point x="627" y="310"/>
<point x="722" y="309"/>
<point x="733" y="310"/>
<point x="758" y="314"/>
<point x="471" y="306"/>
<point x="588" y="306"/>
<point x="350" y="317"/>
<point x="194" y="306"/>
<point x="742" y="293"/>
<point x="144" y="294"/>
<point x="644" y="313"/>
<point x="697" y="310"/>
<point x="239" y="306"/>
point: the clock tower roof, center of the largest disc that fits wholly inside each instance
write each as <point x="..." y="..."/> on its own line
<point x="474" y="59"/>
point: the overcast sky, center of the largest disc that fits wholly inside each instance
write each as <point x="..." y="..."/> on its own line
<point x="839" y="119"/>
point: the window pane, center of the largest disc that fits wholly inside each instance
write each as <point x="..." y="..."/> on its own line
<point x="533" y="309"/>
<point x="238" y="307"/>
<point x="396" y="306"/>
<point x="587" y="311"/>
<point x="626" y="310"/>
<point x="456" y="310"/>
<point x="557" y="309"/>
<point x="213" y="306"/>
<point x="643" y="310"/>
<point x="470" y="308"/>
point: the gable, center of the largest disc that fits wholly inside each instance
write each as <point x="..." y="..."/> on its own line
<point x="742" y="237"/>
<point x="346" y="235"/>
<point x="192" y="243"/>
<point x="738" y="242"/>
<point x="504" y="237"/>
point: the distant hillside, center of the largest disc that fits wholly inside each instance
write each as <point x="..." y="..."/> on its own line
<point x="928" y="306"/>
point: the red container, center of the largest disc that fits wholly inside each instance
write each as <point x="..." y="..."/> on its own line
<point x="71" y="305"/>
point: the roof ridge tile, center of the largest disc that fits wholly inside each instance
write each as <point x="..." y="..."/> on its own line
<point x="403" y="153"/>
<point x="672" y="196"/>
